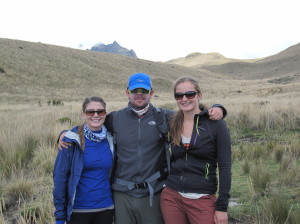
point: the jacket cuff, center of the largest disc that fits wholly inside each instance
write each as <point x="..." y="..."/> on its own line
<point x="60" y="221"/>
<point x="223" y="109"/>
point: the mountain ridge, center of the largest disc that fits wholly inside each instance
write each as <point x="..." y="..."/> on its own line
<point x="39" y="72"/>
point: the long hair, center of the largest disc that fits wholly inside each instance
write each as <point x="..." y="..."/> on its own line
<point x="176" y="123"/>
<point x="84" y="105"/>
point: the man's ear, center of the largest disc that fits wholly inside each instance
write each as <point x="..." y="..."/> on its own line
<point x="151" y="93"/>
<point x="127" y="93"/>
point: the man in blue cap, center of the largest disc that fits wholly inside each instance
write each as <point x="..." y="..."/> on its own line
<point x="140" y="165"/>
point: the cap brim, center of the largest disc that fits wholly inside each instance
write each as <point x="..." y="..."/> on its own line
<point x="139" y="86"/>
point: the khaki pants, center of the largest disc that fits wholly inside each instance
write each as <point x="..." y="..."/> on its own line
<point x="131" y="210"/>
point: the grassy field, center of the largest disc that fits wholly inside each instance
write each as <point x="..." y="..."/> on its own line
<point x="42" y="87"/>
<point x="265" y="144"/>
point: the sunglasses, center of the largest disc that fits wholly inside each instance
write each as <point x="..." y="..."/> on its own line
<point x="139" y="90"/>
<point x="189" y="95"/>
<point x="91" y="113"/>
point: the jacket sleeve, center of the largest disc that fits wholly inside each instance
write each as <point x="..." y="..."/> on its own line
<point x="61" y="174"/>
<point x="224" y="165"/>
<point x="223" y="109"/>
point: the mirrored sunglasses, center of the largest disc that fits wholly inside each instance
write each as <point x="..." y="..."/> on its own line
<point x="139" y="90"/>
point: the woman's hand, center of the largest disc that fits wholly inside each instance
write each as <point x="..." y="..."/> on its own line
<point x="221" y="217"/>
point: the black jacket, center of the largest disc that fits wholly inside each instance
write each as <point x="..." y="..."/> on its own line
<point x="194" y="170"/>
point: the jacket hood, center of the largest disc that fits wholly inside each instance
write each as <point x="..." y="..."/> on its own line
<point x="72" y="136"/>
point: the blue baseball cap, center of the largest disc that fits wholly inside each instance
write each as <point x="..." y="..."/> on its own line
<point x="139" y="80"/>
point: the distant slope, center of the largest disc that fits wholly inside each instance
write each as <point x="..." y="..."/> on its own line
<point x="284" y="65"/>
<point x="33" y="71"/>
<point x="280" y="68"/>
<point x="197" y="60"/>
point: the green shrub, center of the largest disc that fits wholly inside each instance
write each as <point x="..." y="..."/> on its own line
<point x="17" y="190"/>
<point x="245" y="167"/>
<point x="64" y="120"/>
<point x="2" y="70"/>
<point x="284" y="164"/>
<point x="55" y="102"/>
<point x="276" y="210"/>
<point x="25" y="150"/>
<point x="259" y="179"/>
<point x="278" y="154"/>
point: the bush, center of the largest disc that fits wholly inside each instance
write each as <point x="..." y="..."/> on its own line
<point x="259" y="179"/>
<point x="2" y="70"/>
<point x="276" y="210"/>
<point x="278" y="154"/>
<point x="64" y="120"/>
<point x="245" y="166"/>
<point x="55" y="102"/>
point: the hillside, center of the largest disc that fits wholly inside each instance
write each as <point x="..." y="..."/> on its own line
<point x="36" y="71"/>
<point x="283" y="67"/>
<point x="198" y="60"/>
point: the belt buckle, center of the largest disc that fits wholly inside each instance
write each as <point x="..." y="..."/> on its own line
<point x="141" y="185"/>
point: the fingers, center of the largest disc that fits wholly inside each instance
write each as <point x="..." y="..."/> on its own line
<point x="63" y="145"/>
<point x="215" y="113"/>
<point x="221" y="217"/>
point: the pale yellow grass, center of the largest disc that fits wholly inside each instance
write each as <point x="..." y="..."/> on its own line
<point x="34" y="180"/>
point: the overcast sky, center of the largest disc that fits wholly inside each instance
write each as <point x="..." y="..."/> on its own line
<point x="157" y="30"/>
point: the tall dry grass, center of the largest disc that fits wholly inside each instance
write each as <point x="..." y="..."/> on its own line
<point x="29" y="132"/>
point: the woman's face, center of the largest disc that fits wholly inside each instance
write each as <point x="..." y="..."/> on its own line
<point x="190" y="101"/>
<point x="94" y="120"/>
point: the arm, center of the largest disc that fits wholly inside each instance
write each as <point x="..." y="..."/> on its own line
<point x="224" y="166"/>
<point x="217" y="112"/>
<point x="60" y="179"/>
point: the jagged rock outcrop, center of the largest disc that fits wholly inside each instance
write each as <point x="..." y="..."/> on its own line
<point x="114" y="48"/>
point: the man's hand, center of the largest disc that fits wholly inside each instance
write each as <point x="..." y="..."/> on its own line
<point x="221" y="217"/>
<point x="215" y="113"/>
<point x="61" y="144"/>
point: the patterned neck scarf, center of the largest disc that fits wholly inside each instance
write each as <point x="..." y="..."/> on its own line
<point x="95" y="137"/>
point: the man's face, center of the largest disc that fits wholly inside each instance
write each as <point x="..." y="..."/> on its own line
<point x="139" y="98"/>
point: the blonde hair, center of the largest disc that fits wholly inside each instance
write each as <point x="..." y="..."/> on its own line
<point x="176" y="123"/>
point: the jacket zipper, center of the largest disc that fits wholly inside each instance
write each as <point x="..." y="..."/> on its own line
<point x="207" y="171"/>
<point x="139" y="139"/>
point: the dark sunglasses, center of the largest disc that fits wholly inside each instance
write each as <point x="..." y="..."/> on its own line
<point x="188" y="94"/>
<point x="139" y="90"/>
<point x="91" y="113"/>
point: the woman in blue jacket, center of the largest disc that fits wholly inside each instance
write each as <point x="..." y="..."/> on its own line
<point x="200" y="147"/>
<point x="82" y="191"/>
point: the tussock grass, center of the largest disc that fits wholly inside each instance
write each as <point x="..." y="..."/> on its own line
<point x="277" y="210"/>
<point x="246" y="167"/>
<point x="44" y="158"/>
<point x="28" y="151"/>
<point x="260" y="179"/>
<point x="278" y="154"/>
<point x="18" y="188"/>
